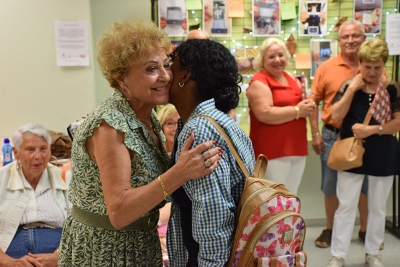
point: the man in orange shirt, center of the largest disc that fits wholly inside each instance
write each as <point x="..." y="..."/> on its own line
<point x="327" y="80"/>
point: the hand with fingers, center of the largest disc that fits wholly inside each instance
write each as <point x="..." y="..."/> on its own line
<point x="47" y="260"/>
<point x="306" y="108"/>
<point x="25" y="261"/>
<point x="199" y="161"/>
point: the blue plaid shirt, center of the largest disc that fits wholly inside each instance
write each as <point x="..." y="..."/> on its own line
<point x="215" y="196"/>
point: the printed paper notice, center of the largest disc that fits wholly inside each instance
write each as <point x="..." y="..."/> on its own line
<point x="393" y="33"/>
<point x="72" y="46"/>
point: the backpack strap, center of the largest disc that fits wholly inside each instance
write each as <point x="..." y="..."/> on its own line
<point x="229" y="142"/>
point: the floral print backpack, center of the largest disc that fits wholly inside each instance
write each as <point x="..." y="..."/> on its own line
<point x="270" y="231"/>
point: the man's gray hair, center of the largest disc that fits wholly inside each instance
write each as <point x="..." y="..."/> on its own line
<point x="352" y="22"/>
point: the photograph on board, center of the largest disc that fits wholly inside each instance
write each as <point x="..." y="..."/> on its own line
<point x="313" y="17"/>
<point x="173" y="17"/>
<point x="266" y="18"/>
<point x="215" y="18"/>
<point x="369" y="13"/>
<point x="321" y="50"/>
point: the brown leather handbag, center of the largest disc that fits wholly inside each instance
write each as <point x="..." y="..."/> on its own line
<point x="348" y="153"/>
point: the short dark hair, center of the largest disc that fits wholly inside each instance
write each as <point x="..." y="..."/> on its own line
<point x="213" y="69"/>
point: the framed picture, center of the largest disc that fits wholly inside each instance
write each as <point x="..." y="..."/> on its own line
<point x="173" y="17"/>
<point x="313" y="17"/>
<point x="321" y="50"/>
<point x="215" y="18"/>
<point x="266" y="18"/>
<point x="369" y="13"/>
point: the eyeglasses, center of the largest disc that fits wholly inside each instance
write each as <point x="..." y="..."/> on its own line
<point x="353" y="36"/>
<point x="171" y="124"/>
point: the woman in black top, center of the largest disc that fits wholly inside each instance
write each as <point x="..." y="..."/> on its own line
<point x="382" y="153"/>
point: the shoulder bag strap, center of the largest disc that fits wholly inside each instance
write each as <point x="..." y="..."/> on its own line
<point x="229" y="142"/>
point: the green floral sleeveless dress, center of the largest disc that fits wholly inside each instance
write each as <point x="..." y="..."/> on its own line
<point x="83" y="245"/>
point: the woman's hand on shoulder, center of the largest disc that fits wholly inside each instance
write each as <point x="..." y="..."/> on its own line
<point x="356" y="83"/>
<point x="192" y="163"/>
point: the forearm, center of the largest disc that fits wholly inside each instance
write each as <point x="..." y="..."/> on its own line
<point x="341" y="108"/>
<point x="5" y="260"/>
<point x="277" y="115"/>
<point x="314" y="122"/>
<point x="136" y="202"/>
<point x="390" y="128"/>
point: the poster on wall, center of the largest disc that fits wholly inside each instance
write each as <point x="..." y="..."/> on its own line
<point x="369" y="13"/>
<point x="321" y="50"/>
<point x="266" y="18"/>
<point x="393" y="33"/>
<point x="172" y="17"/>
<point x="72" y="43"/>
<point x="215" y="18"/>
<point x="313" y="17"/>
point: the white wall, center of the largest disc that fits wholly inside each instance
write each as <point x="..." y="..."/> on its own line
<point x="32" y="87"/>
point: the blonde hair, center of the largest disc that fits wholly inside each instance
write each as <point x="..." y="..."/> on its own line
<point x="373" y="50"/>
<point x="126" y="43"/>
<point x="258" y="61"/>
<point x="167" y="111"/>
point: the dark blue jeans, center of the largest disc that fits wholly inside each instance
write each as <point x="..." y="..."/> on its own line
<point x="35" y="241"/>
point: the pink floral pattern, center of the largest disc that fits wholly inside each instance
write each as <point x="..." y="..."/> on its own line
<point x="288" y="260"/>
<point x="270" y="243"/>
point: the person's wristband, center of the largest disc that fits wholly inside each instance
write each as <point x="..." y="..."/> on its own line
<point x="165" y="194"/>
<point x="297" y="112"/>
<point x="315" y="134"/>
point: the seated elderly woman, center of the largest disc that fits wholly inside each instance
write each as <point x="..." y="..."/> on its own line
<point x="33" y="204"/>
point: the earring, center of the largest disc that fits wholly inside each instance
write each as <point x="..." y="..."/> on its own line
<point x="130" y="96"/>
<point x="18" y="165"/>
<point x="181" y="84"/>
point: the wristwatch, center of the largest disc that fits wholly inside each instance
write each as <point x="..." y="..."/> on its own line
<point x="380" y="129"/>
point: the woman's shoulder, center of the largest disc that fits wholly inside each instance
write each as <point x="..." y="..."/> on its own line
<point x="113" y="112"/>
<point x="261" y="76"/>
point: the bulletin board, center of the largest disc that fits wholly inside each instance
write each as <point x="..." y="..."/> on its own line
<point x="244" y="44"/>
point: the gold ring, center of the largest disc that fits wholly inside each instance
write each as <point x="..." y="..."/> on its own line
<point x="207" y="164"/>
<point x="204" y="157"/>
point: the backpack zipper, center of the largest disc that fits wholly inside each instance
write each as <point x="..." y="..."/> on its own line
<point x="253" y="195"/>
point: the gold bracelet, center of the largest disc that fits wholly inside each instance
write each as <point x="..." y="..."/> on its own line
<point x="57" y="251"/>
<point x="297" y="112"/>
<point x="163" y="188"/>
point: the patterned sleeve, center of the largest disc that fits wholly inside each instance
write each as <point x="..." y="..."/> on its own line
<point x="341" y="91"/>
<point x="213" y="206"/>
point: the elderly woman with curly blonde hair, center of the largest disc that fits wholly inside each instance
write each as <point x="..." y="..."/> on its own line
<point x="120" y="176"/>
